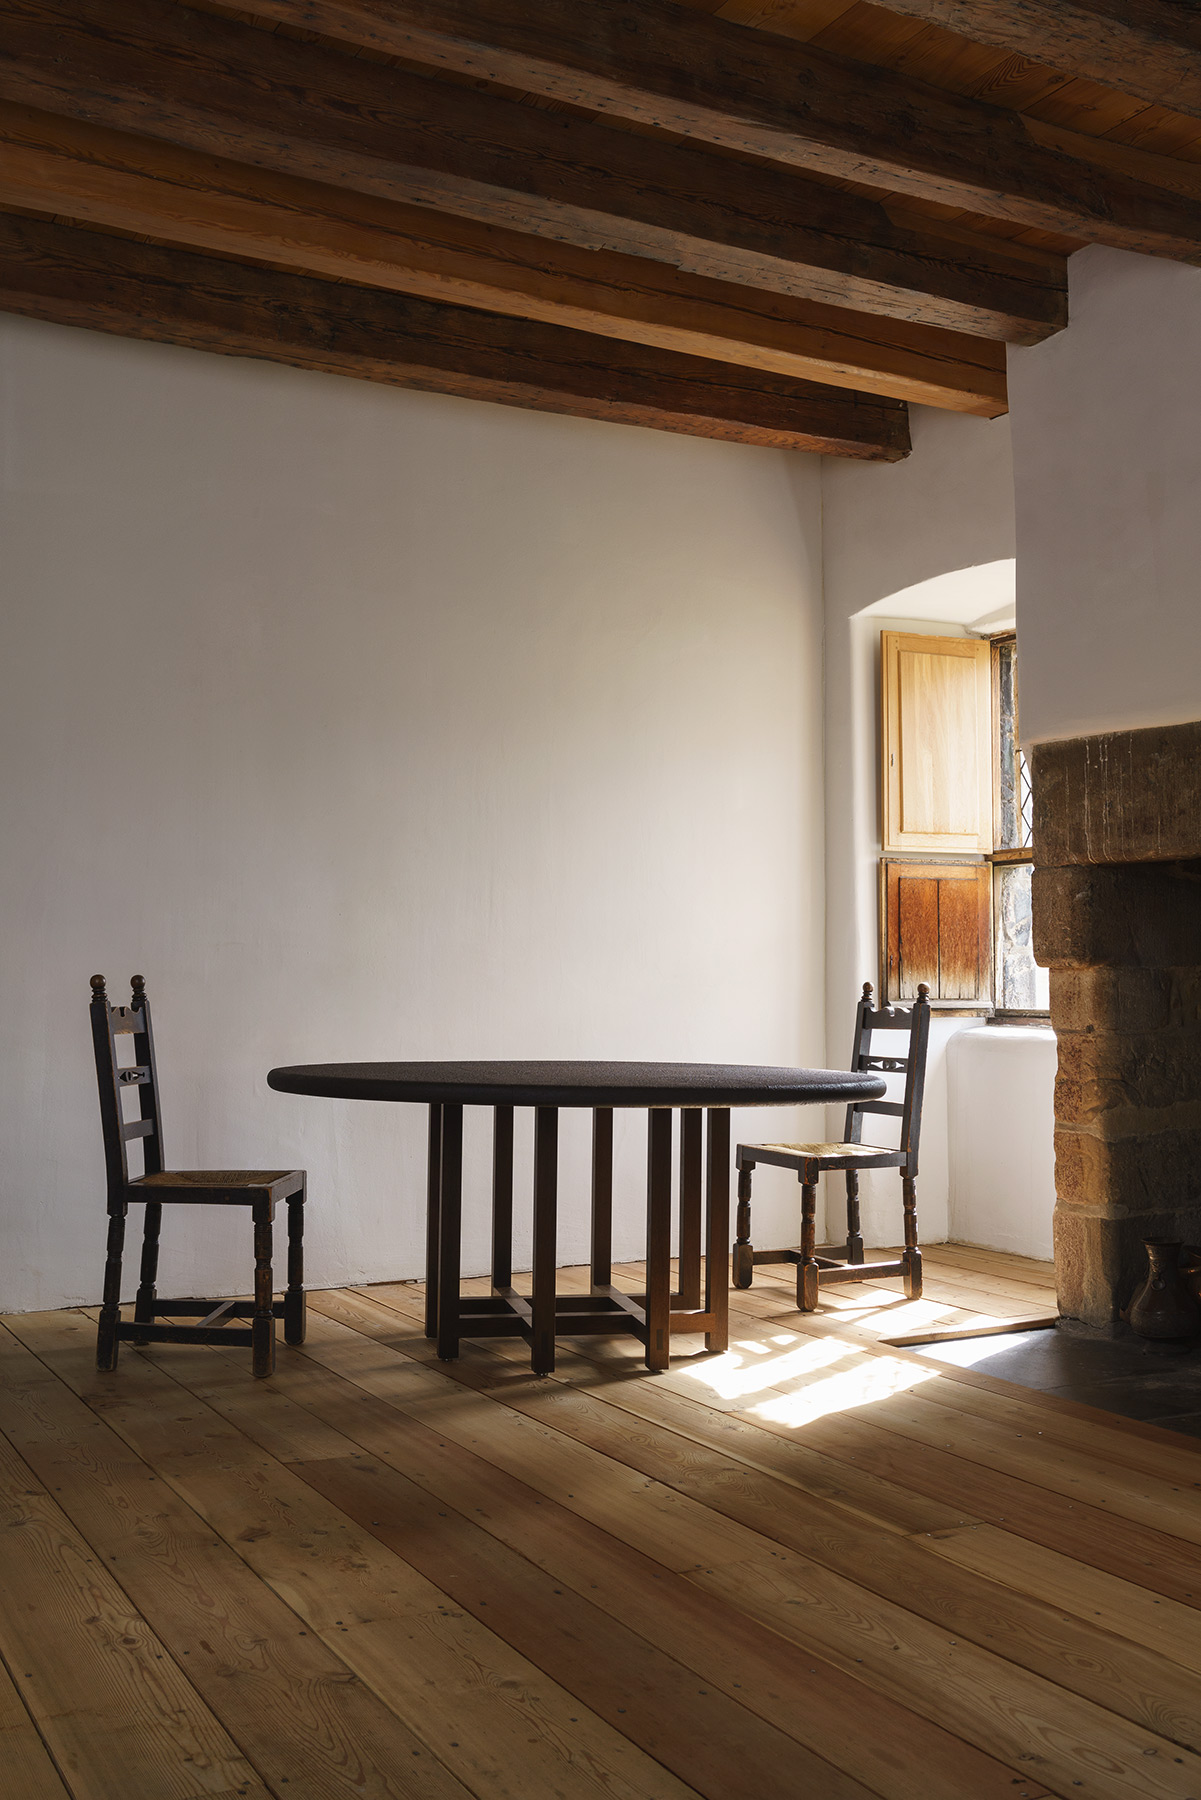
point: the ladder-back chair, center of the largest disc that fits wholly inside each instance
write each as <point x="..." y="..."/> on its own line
<point x="259" y="1189"/>
<point x="851" y="1156"/>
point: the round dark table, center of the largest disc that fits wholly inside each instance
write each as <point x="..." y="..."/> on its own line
<point x="660" y="1088"/>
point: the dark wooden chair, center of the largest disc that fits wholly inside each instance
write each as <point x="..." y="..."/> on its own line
<point x="258" y="1189"/>
<point x="852" y="1155"/>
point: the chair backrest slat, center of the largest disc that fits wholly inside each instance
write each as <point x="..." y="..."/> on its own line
<point x="126" y="1019"/>
<point x="108" y="1024"/>
<point x="915" y="1021"/>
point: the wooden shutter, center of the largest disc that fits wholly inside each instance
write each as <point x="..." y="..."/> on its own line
<point x="938" y="929"/>
<point x="937" y="744"/>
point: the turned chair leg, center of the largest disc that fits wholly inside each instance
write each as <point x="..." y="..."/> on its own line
<point x="294" y="1310"/>
<point x="143" y="1311"/>
<point x="744" y="1255"/>
<point x="107" y="1342"/>
<point x="262" y="1325"/>
<point x="854" y="1237"/>
<point x="807" y="1270"/>
<point x="911" y="1256"/>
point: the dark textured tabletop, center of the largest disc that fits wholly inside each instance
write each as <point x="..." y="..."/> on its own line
<point x="576" y="1083"/>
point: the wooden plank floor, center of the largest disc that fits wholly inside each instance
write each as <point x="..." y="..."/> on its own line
<point x="818" y="1566"/>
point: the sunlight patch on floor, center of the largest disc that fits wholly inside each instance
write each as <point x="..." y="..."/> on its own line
<point x="965" y="1353"/>
<point x="910" y="1315"/>
<point x="866" y="1300"/>
<point x="874" y="1378"/>
<point x="733" y="1376"/>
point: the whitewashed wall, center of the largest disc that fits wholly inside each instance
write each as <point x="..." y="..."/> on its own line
<point x="1107" y="457"/>
<point x="374" y="724"/>
<point x="1001" y="1149"/>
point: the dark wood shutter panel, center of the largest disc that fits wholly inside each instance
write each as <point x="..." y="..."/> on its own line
<point x="937" y="929"/>
<point x="917" y="938"/>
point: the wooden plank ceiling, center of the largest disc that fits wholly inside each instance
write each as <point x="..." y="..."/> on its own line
<point x="775" y="221"/>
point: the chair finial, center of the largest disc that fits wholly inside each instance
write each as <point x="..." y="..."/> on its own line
<point x="138" y="984"/>
<point x="923" y="992"/>
<point x="99" y="991"/>
<point x="867" y="990"/>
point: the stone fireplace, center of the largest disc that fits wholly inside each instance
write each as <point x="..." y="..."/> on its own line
<point x="1117" y="920"/>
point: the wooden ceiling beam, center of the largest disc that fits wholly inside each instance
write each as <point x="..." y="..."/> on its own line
<point x="1149" y="48"/>
<point x="93" y="176"/>
<point x="117" y="284"/>
<point x="657" y="63"/>
<point x="257" y="97"/>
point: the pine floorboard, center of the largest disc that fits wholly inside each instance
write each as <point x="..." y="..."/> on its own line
<point x="820" y="1565"/>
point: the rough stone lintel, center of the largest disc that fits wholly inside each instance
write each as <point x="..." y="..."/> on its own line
<point x="1121" y="797"/>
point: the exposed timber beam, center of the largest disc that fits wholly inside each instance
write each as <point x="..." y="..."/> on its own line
<point x="222" y="88"/>
<point x="1150" y="48"/>
<point x="142" y="186"/>
<point x="670" y="66"/>
<point x="116" y="284"/>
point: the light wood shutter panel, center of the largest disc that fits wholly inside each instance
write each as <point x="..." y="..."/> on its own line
<point x="937" y="743"/>
<point x="938" y="929"/>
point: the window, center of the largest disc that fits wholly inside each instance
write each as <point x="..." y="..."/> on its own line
<point x="1020" y="987"/>
<point x="956" y="827"/>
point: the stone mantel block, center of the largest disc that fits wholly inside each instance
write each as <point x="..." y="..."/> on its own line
<point x="1122" y="797"/>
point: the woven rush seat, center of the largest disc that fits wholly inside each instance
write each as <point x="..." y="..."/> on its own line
<point x="833" y="1156"/>
<point x="243" y="1184"/>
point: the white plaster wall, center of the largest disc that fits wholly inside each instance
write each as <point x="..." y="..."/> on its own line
<point x="375" y="724"/>
<point x="914" y="546"/>
<point x="1107" y="455"/>
<point x="1001" y="1111"/>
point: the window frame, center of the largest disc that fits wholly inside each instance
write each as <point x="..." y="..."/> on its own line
<point x="1000" y="856"/>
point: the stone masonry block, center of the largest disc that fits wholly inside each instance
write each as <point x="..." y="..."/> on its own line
<point x="1115" y="1071"/>
<point x="1120" y="797"/>
<point x="1132" y="1176"/>
<point x="1139" y="917"/>
<point x="1113" y="999"/>
<point x="1100" y="1261"/>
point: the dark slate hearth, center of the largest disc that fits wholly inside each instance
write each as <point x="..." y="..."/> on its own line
<point x="1158" y="1384"/>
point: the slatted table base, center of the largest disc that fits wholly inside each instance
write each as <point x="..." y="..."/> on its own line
<point x="699" y="1303"/>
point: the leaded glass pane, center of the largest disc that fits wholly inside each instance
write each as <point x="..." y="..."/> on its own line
<point x="1021" y="985"/>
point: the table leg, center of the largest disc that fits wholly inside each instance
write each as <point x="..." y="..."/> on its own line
<point x="546" y="1182"/>
<point x="658" y="1237"/>
<point x="433" y="1182"/>
<point x="717" y="1243"/>
<point x="502" y="1197"/>
<point x="602" y="1197"/>
<point x="689" y="1282"/>
<point x="450" y="1212"/>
